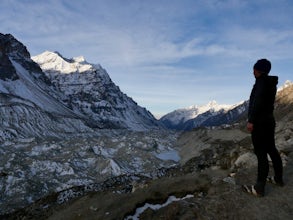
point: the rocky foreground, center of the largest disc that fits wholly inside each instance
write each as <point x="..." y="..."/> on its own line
<point x="206" y="185"/>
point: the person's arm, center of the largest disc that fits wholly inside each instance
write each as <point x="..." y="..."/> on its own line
<point x="257" y="103"/>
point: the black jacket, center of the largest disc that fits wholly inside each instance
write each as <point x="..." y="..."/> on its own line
<point x="262" y="98"/>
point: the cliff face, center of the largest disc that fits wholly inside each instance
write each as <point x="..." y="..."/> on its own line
<point x="12" y="49"/>
<point x="27" y="106"/>
<point x="7" y="70"/>
<point x="88" y="90"/>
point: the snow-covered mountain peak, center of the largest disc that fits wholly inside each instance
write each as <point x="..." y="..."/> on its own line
<point x="180" y="116"/>
<point x="54" y="62"/>
<point x="286" y="84"/>
<point x="212" y="104"/>
<point x="88" y="90"/>
<point x="215" y="106"/>
<point x="53" y="95"/>
<point x="79" y="59"/>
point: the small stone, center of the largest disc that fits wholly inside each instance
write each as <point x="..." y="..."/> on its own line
<point x="93" y="208"/>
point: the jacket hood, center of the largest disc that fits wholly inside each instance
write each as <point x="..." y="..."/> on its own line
<point x="273" y="80"/>
<point x="270" y="80"/>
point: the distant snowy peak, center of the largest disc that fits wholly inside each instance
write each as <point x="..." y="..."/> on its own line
<point x="185" y="114"/>
<point x="211" y="114"/>
<point x="212" y="105"/>
<point x="286" y="84"/>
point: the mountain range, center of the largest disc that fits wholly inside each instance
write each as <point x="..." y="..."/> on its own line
<point x="59" y="96"/>
<point x="212" y="114"/>
<point x="209" y="115"/>
<point x="49" y="95"/>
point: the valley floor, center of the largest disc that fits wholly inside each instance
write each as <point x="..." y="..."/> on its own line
<point x="206" y="185"/>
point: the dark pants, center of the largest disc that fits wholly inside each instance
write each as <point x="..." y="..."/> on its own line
<point x="263" y="139"/>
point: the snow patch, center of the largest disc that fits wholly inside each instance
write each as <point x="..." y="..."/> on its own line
<point x="146" y="206"/>
<point x="112" y="168"/>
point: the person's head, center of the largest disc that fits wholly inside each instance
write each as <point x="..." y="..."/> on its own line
<point x="261" y="67"/>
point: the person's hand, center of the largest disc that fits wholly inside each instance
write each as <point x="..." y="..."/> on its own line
<point x="249" y="127"/>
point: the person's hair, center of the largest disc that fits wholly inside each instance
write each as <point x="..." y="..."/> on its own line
<point x="263" y="66"/>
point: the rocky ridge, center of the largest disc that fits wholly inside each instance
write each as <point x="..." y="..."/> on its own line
<point x="88" y="90"/>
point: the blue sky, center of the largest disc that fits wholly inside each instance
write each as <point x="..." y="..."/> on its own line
<point x="165" y="54"/>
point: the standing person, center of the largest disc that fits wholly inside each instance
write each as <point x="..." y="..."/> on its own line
<point x="261" y="124"/>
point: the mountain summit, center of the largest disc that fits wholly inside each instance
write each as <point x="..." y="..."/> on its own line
<point x="194" y="116"/>
<point x="28" y="105"/>
<point x="88" y="90"/>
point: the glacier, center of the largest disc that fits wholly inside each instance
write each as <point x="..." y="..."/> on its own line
<point x="32" y="169"/>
